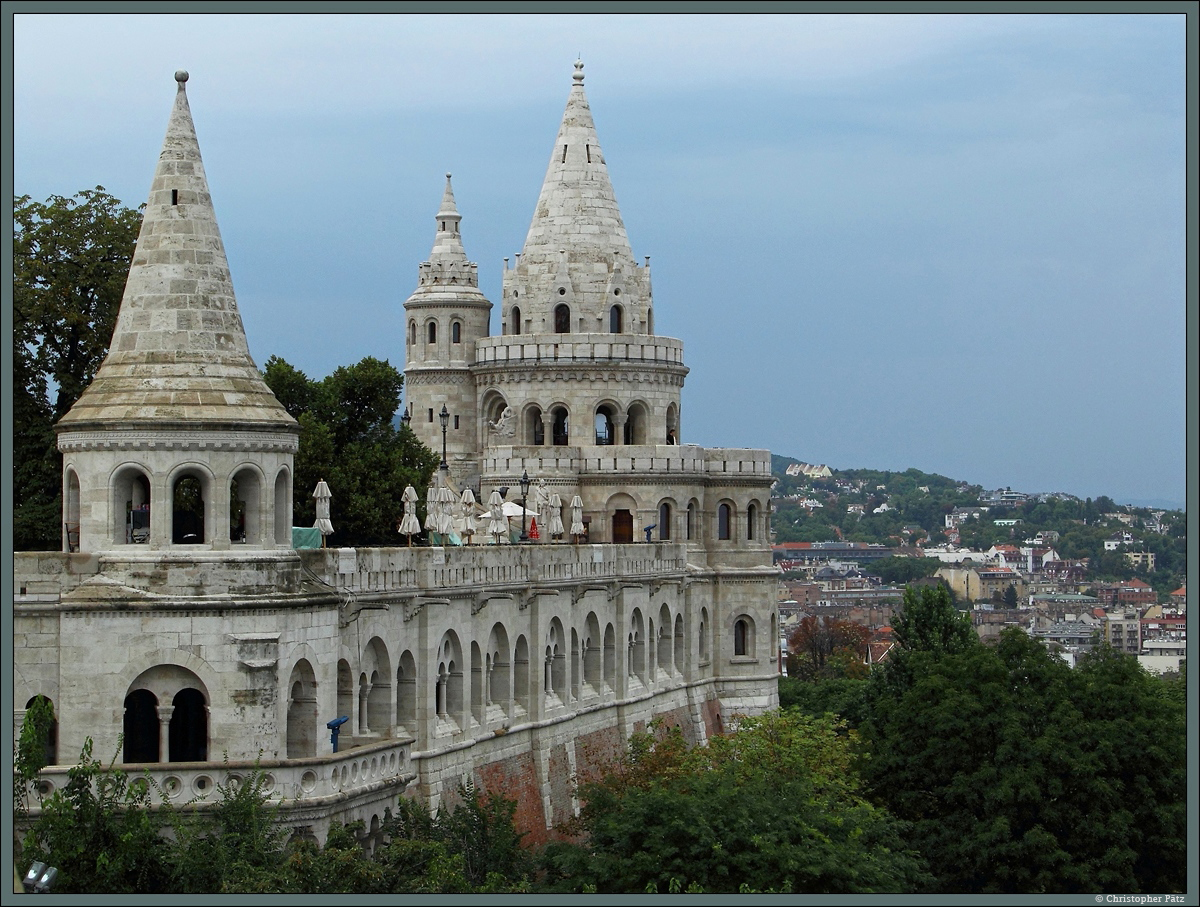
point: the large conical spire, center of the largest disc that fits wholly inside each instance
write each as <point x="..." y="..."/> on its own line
<point x="179" y="352"/>
<point x="577" y="242"/>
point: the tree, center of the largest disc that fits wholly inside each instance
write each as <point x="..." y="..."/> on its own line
<point x="774" y="806"/>
<point x="70" y="261"/>
<point x="347" y="438"/>
<point x="815" y="641"/>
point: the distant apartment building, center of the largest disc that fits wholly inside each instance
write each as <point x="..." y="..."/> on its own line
<point x="1004" y="497"/>
<point x="1123" y="631"/>
<point x="1132" y="592"/>
<point x="1141" y="559"/>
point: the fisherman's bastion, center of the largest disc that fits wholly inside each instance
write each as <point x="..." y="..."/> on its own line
<point x="518" y="667"/>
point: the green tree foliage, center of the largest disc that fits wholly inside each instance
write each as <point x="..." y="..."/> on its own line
<point x="900" y="570"/>
<point x="772" y="807"/>
<point x="70" y="260"/>
<point x="1021" y="775"/>
<point x="347" y="438"/>
<point x="843" y="698"/>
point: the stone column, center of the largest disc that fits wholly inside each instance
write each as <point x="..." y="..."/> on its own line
<point x="164" y="732"/>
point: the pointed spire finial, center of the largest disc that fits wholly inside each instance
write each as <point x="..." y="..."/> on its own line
<point x="578" y="76"/>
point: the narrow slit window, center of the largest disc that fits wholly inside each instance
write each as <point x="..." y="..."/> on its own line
<point x="431" y="414"/>
<point x="564" y="157"/>
<point x="589" y="153"/>
<point x="456" y="422"/>
<point x="174" y="196"/>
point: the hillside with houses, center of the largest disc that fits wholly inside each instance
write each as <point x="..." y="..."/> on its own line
<point x="1072" y="571"/>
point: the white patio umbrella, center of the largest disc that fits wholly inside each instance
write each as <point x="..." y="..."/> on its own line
<point x="445" y="511"/>
<point x="468" y="512"/>
<point x="576" y="517"/>
<point x="409" y="524"/>
<point x="323" y="496"/>
<point x="512" y="508"/>
<point x="431" y="507"/>
<point x="497" y="524"/>
<point x="554" y="528"/>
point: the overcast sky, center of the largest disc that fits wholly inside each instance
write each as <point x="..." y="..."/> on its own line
<point x="955" y="243"/>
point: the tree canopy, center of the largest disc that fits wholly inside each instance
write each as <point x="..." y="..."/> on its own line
<point x="70" y="261"/>
<point x="347" y="438"/>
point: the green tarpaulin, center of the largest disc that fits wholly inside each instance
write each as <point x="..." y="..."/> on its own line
<point x="306" y="537"/>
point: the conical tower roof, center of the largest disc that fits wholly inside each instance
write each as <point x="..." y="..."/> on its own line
<point x="577" y="208"/>
<point x="178" y="352"/>
<point x="448" y="275"/>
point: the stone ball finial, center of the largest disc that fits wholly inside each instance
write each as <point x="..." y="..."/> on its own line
<point x="181" y="76"/>
<point x="578" y="76"/>
<point x="447" y="176"/>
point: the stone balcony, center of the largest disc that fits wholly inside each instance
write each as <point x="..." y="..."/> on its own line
<point x="578" y="349"/>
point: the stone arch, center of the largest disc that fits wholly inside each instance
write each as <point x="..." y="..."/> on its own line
<point x="431" y="331"/>
<point x="593" y="652"/>
<point x="282" y="508"/>
<point x="345" y="695"/>
<point x="610" y="657"/>
<point x="753" y="510"/>
<point x="555" y="665"/>
<point x="650" y="320"/>
<point x="672" y="424"/>
<point x="743" y="636"/>
<point x="71" y="529"/>
<point x="726" y="519"/>
<point x="665" y="657"/>
<point x="50" y="744"/>
<point x="619" y="510"/>
<point x="492" y="405"/>
<point x="514" y="320"/>
<point x="560" y="424"/>
<point x="185" y="719"/>
<point x="704" y="654"/>
<point x="498" y="682"/>
<point x="616" y="319"/>
<point x="534" y="426"/>
<point x="576" y="665"/>
<point x="680" y="645"/>
<point x="636" y="422"/>
<point x="301" y="734"/>
<point x="665" y="518"/>
<point x="478" y="667"/>
<point x="449" y="699"/>
<point x="412" y="332"/>
<point x="191" y="498"/>
<point x="521" y="702"/>
<point x="691" y="527"/>
<point x="562" y="318"/>
<point x="606" y="414"/>
<point x="245" y="505"/>
<point x="131" y="498"/>
<point x="377" y="669"/>
<point x="636" y="643"/>
<point x="406" y="692"/>
<point x="456" y="331"/>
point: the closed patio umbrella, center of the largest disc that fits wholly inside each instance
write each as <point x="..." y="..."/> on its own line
<point x="409" y="524"/>
<point x="554" y="528"/>
<point x="445" y="511"/>
<point x="431" y="508"/>
<point x="497" y="524"/>
<point x="323" y="496"/>
<point x="468" y="512"/>
<point x="576" y="517"/>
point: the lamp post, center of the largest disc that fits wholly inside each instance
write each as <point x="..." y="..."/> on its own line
<point x="444" y="416"/>
<point x="524" y="483"/>
<point x="406" y="419"/>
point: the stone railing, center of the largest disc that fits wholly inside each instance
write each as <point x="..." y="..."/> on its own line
<point x="597" y="460"/>
<point x="432" y="570"/>
<point x="578" y="349"/>
<point x="291" y="783"/>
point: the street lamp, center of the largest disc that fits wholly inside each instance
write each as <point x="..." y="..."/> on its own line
<point x="444" y="416"/>
<point x="406" y="419"/>
<point x="524" y="483"/>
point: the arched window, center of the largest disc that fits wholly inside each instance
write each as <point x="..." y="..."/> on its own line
<point x="561" y="427"/>
<point x="741" y="637"/>
<point x="140" y="727"/>
<point x="691" y="520"/>
<point x="562" y="318"/>
<point x="649" y="321"/>
<point x="432" y="329"/>
<point x="615" y="321"/>
<point x="605" y="431"/>
<point x="514" y="320"/>
<point x="412" y="333"/>
<point x="456" y="332"/>
<point x="187" y="732"/>
<point x="664" y="521"/>
<point x="302" y="712"/>
<point x="751" y="517"/>
<point x="131" y="506"/>
<point x="535" y="428"/>
<point x="724" y="522"/>
<point x="187" y="511"/>
<point x="50" y="742"/>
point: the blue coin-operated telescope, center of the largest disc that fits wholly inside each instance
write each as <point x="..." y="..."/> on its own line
<point x="648" y="530"/>
<point x="335" y="727"/>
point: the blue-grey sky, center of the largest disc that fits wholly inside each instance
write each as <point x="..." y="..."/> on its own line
<point x="955" y="243"/>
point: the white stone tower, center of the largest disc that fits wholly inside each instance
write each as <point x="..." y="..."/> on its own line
<point x="178" y="443"/>
<point x="446" y="315"/>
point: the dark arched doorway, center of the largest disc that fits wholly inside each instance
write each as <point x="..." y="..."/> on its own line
<point x="187" y="736"/>
<point x="140" y="727"/>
